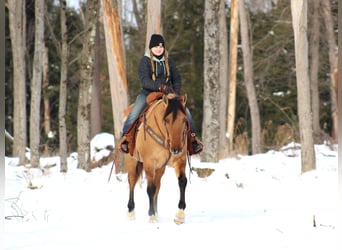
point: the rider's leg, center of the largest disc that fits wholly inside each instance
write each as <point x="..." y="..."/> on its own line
<point x="138" y="107"/>
<point x="196" y="144"/>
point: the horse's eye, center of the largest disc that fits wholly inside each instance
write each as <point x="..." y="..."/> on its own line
<point x="167" y="120"/>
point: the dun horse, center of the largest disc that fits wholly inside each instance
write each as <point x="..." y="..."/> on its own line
<point x="161" y="140"/>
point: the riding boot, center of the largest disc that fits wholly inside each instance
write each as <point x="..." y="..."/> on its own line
<point x="196" y="144"/>
<point x="123" y="144"/>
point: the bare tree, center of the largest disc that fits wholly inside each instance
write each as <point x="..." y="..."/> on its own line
<point x="45" y="82"/>
<point x="330" y="36"/>
<point x="116" y="63"/>
<point x="95" y="112"/>
<point x="17" y="26"/>
<point x="248" y="77"/>
<point x="223" y="78"/>
<point x="234" y="27"/>
<point x="85" y="92"/>
<point x="36" y="83"/>
<point x="299" y="22"/>
<point x="211" y="95"/>
<point x="154" y="23"/>
<point x="63" y="89"/>
<point x="314" y="65"/>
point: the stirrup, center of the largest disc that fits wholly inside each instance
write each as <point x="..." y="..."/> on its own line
<point x="123" y="145"/>
<point x="196" y="147"/>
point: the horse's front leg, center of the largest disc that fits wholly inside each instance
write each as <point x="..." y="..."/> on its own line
<point x="133" y="176"/>
<point x="182" y="181"/>
<point x="151" y="191"/>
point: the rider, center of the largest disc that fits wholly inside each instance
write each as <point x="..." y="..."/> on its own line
<point x="157" y="72"/>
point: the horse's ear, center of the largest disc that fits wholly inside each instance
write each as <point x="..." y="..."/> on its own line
<point x="165" y="99"/>
<point x="183" y="99"/>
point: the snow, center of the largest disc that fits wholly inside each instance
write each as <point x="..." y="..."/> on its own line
<point x="249" y="202"/>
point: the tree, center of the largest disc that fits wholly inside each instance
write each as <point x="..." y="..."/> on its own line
<point x="116" y="63"/>
<point x="234" y="27"/>
<point x="211" y="93"/>
<point x="36" y="83"/>
<point x="329" y="28"/>
<point x="154" y="22"/>
<point x="17" y="25"/>
<point x="63" y="89"/>
<point x="223" y="78"/>
<point x="248" y="77"/>
<point x="314" y="66"/>
<point x="85" y="92"/>
<point x="299" y="22"/>
<point x="95" y="112"/>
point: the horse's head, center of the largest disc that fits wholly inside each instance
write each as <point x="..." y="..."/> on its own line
<point x="176" y="122"/>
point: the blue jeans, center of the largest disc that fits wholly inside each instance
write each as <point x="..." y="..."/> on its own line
<point x="138" y="107"/>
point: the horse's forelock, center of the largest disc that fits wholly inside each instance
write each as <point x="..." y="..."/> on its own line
<point x="173" y="106"/>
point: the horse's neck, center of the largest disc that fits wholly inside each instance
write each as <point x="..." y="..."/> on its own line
<point x="154" y="116"/>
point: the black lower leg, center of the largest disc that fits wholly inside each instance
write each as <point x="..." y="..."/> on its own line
<point x="151" y="190"/>
<point x="131" y="204"/>
<point x="182" y="181"/>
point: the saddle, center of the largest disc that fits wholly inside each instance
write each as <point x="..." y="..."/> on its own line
<point x="132" y="130"/>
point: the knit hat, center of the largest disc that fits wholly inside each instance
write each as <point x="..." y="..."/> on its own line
<point x="156" y="40"/>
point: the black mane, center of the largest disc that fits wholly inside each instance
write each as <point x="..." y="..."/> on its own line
<point x="173" y="106"/>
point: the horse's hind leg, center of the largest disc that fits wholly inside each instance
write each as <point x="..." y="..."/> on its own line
<point x="133" y="176"/>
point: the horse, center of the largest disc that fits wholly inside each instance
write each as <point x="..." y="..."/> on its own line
<point x="161" y="140"/>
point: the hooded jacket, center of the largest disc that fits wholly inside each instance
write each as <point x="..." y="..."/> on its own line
<point x="145" y="75"/>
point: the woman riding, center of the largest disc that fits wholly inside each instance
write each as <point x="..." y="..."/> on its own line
<point x="157" y="72"/>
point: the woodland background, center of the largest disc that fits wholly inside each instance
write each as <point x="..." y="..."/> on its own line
<point x="272" y="47"/>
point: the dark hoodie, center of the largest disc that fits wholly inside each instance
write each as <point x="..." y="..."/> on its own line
<point x="145" y="75"/>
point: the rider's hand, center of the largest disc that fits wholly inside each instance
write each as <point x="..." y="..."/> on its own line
<point x="165" y="89"/>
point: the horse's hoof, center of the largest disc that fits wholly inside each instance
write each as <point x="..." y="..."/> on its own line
<point x="153" y="219"/>
<point x="180" y="217"/>
<point x="131" y="215"/>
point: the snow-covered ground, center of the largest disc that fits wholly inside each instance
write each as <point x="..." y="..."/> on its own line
<point x="250" y="202"/>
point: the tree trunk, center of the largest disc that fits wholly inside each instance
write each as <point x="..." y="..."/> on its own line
<point x="223" y="79"/>
<point x="330" y="36"/>
<point x="234" y="26"/>
<point x="154" y="24"/>
<point x="248" y="77"/>
<point x="85" y="91"/>
<point x="299" y="22"/>
<point x="17" y="25"/>
<point x="96" y="113"/>
<point x="47" y="121"/>
<point x="63" y="90"/>
<point x="116" y="64"/>
<point x="36" y="83"/>
<point x="314" y="67"/>
<point x="211" y="95"/>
